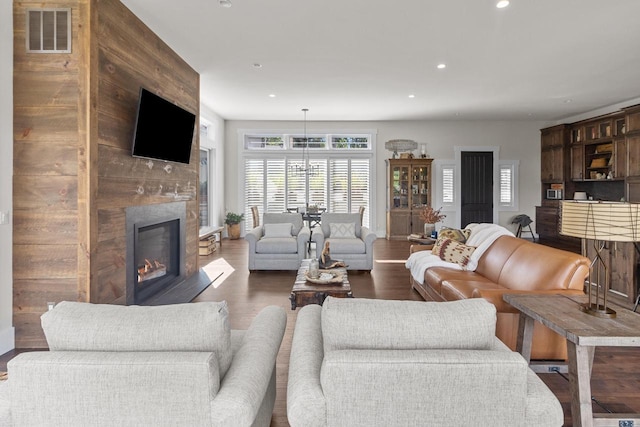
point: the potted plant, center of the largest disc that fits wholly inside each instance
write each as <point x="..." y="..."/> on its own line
<point x="430" y="217"/>
<point x="233" y="221"/>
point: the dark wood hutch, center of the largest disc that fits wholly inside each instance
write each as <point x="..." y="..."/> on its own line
<point x="601" y="157"/>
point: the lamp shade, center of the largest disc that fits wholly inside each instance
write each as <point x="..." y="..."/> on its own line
<point x="607" y="221"/>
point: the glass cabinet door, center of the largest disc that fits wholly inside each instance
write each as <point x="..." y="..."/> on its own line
<point x="400" y="186"/>
<point x="420" y="186"/>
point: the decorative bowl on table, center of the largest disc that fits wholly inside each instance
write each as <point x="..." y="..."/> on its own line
<point x="327" y="277"/>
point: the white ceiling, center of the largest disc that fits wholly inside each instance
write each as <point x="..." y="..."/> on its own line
<point x="360" y="59"/>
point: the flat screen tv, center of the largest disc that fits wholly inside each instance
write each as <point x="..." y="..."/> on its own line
<point x="163" y="130"/>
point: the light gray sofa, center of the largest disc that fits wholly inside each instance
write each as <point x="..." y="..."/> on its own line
<point x="171" y="365"/>
<point x="272" y="248"/>
<point x="358" y="362"/>
<point x="356" y="249"/>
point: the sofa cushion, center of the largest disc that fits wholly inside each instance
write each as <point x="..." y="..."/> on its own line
<point x="202" y="326"/>
<point x="278" y="230"/>
<point x="434" y="276"/>
<point x="381" y="324"/>
<point x="340" y="230"/>
<point x="347" y="246"/>
<point x="277" y="245"/>
<point x="454" y="234"/>
<point x="452" y="290"/>
<point x="452" y="251"/>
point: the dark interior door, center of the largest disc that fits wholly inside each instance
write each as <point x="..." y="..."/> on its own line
<point x="476" y="187"/>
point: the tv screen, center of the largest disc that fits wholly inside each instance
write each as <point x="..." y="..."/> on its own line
<point x="163" y="130"/>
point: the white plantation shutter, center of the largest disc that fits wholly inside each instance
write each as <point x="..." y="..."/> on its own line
<point x="339" y="185"/>
<point x="508" y="185"/>
<point x="360" y="189"/>
<point x="295" y="187"/>
<point x="253" y="186"/>
<point x="276" y="186"/>
<point x="318" y="184"/>
<point x="448" y="188"/>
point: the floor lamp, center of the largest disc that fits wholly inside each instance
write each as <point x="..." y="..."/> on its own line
<point x="600" y="222"/>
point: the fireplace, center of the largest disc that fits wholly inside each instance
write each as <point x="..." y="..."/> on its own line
<point x="155" y="250"/>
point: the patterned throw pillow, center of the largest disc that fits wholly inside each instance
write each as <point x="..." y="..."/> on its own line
<point x="342" y="230"/>
<point x="452" y="251"/>
<point x="454" y="234"/>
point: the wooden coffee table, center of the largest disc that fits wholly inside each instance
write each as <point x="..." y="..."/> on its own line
<point x="304" y="292"/>
<point x="583" y="333"/>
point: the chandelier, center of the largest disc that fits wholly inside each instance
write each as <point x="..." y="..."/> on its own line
<point x="305" y="168"/>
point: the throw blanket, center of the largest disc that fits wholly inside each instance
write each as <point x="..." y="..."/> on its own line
<point x="482" y="236"/>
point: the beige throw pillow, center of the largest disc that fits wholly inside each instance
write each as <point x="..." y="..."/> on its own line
<point x="450" y="250"/>
<point x="342" y="230"/>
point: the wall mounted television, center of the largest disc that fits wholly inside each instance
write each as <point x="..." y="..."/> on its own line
<point x="163" y="130"/>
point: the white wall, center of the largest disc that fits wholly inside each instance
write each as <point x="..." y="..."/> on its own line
<point x="517" y="141"/>
<point x="215" y="142"/>
<point x="7" y="341"/>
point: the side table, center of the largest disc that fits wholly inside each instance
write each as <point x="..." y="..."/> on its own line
<point x="583" y="333"/>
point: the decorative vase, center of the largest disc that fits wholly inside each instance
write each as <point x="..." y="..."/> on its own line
<point x="233" y="230"/>
<point x="429" y="229"/>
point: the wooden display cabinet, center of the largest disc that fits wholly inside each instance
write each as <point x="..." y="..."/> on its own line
<point x="408" y="192"/>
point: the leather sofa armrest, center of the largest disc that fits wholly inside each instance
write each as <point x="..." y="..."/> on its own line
<point x="494" y="296"/>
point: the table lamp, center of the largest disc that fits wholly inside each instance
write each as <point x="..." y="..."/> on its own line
<point x="601" y="222"/>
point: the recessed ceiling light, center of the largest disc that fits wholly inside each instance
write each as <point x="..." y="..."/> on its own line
<point x="568" y="101"/>
<point x="225" y="3"/>
<point x="502" y="4"/>
<point x="272" y="95"/>
<point x="441" y="66"/>
<point x="257" y="65"/>
<point x="412" y="96"/>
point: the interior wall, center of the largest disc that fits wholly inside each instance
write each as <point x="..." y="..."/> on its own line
<point x="518" y="140"/>
<point x="74" y="175"/>
<point x="6" y="172"/>
<point x="128" y="55"/>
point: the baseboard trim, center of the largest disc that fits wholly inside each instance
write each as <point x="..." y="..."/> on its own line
<point x="7" y="339"/>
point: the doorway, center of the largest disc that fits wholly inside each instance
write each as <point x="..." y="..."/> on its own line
<point x="476" y="187"/>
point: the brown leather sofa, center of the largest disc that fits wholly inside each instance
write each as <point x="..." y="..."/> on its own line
<point x="512" y="265"/>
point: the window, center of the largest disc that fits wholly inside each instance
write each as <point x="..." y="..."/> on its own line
<point x="448" y="185"/>
<point x="204" y="188"/>
<point x="508" y="171"/>
<point x="342" y="183"/>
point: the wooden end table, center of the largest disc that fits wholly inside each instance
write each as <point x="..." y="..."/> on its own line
<point x="583" y="333"/>
<point x="304" y="292"/>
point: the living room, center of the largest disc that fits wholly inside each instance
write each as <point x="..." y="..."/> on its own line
<point x="517" y="139"/>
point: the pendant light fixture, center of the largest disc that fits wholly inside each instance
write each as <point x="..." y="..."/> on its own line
<point x="305" y="168"/>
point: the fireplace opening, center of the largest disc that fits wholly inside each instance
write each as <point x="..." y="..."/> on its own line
<point x="157" y="257"/>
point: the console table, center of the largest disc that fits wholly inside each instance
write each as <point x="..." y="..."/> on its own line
<point x="583" y="333"/>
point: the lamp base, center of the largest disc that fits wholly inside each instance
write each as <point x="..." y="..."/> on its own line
<point x="598" y="310"/>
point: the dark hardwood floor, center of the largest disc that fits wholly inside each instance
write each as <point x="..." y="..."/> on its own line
<point x="616" y="371"/>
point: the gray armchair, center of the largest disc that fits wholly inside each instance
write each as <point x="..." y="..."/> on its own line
<point x="280" y="243"/>
<point x="112" y="365"/>
<point x="350" y="242"/>
<point x="360" y="362"/>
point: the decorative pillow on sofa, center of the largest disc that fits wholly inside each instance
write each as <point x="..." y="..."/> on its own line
<point x="278" y="230"/>
<point x="450" y="250"/>
<point x="342" y="230"/>
<point x="454" y="234"/>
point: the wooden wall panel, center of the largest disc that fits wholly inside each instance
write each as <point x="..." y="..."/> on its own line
<point x="74" y="174"/>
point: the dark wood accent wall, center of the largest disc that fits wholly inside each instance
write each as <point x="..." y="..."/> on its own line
<point x="74" y="174"/>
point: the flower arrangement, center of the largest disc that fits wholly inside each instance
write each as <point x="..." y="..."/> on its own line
<point x="431" y="216"/>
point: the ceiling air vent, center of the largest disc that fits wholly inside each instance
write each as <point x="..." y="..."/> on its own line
<point x="49" y="30"/>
